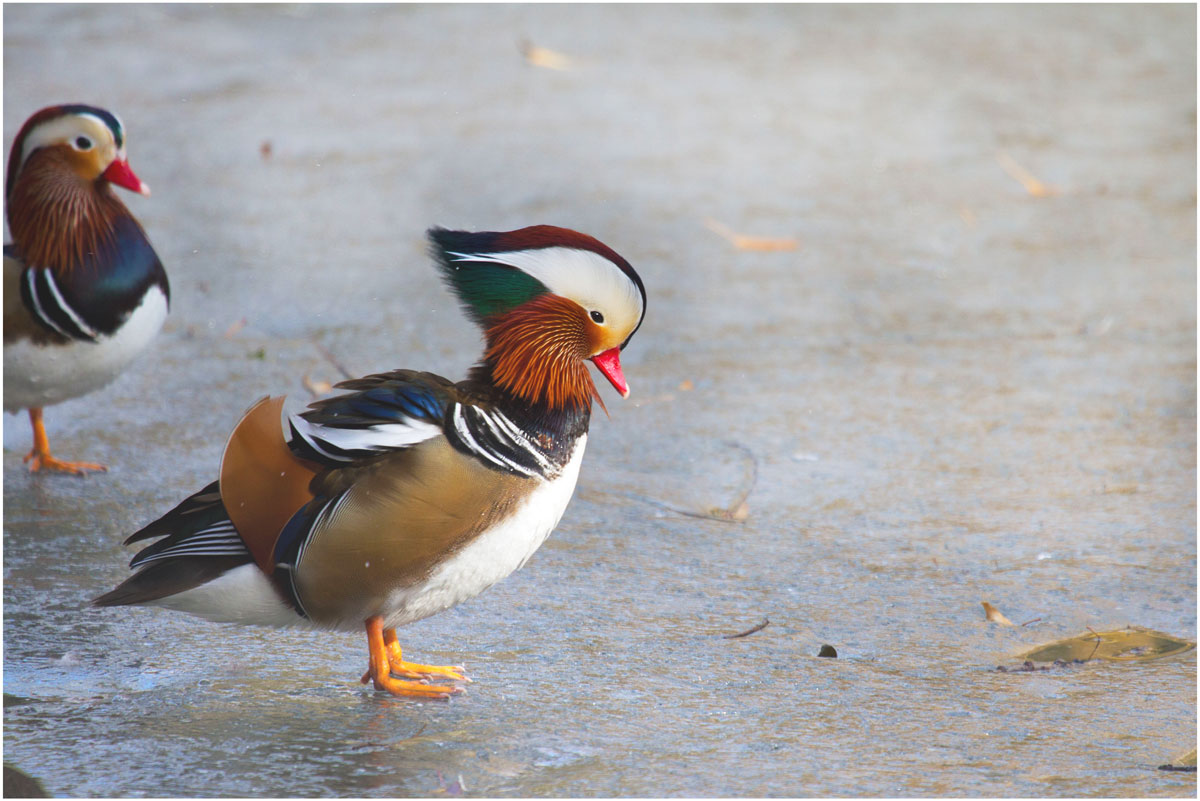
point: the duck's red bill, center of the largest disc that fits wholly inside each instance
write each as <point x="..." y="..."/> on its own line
<point x="120" y="173"/>
<point x="609" y="363"/>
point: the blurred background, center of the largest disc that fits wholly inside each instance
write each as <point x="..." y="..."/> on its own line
<point x="921" y="333"/>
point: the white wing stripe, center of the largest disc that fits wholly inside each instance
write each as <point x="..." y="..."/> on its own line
<point x="382" y="437"/>
<point x="312" y="442"/>
<point x="215" y="536"/>
<point x="62" y="304"/>
<point x="227" y="550"/>
<point x="219" y="539"/>
<point x="223" y="525"/>
<point x="30" y="275"/>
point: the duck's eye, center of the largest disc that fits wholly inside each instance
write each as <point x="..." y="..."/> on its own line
<point x="597" y="317"/>
<point x="83" y="143"/>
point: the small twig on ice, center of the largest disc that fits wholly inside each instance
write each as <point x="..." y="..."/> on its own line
<point x="748" y="631"/>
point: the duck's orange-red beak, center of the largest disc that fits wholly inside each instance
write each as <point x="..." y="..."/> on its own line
<point x="120" y="173"/>
<point x="609" y="363"/>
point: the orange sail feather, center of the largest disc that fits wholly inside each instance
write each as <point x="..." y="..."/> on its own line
<point x="262" y="483"/>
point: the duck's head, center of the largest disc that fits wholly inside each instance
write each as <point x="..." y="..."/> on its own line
<point x="548" y="299"/>
<point x="86" y="141"/>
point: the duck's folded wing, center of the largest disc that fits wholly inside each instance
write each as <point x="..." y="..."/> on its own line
<point x="266" y="482"/>
<point x="264" y="507"/>
<point x="385" y="412"/>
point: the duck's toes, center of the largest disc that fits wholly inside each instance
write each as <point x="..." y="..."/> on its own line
<point x="39" y="461"/>
<point x="405" y="688"/>
<point x="412" y="670"/>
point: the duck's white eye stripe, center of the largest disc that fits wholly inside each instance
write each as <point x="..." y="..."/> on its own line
<point x="66" y="129"/>
<point x="584" y="276"/>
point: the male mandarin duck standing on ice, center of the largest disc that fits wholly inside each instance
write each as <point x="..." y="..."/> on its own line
<point x="409" y="493"/>
<point x="84" y="293"/>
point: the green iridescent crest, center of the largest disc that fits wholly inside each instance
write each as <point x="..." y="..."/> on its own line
<point x="488" y="289"/>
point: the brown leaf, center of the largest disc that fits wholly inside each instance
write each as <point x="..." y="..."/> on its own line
<point x="1032" y="185"/>
<point x="316" y="388"/>
<point x="544" y="57"/>
<point x="737" y="514"/>
<point x="233" y="329"/>
<point x="743" y="242"/>
<point x="994" y="615"/>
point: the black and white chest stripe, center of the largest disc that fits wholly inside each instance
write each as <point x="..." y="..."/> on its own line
<point x="41" y="296"/>
<point x="495" y="439"/>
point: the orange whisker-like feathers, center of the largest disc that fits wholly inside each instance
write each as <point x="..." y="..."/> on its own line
<point x="56" y="221"/>
<point x="537" y="352"/>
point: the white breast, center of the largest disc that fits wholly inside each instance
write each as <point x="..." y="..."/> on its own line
<point x="48" y="374"/>
<point x="492" y="555"/>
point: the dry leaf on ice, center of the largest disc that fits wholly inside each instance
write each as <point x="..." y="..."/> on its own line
<point x="1032" y="185"/>
<point x="743" y="242"/>
<point x="544" y="57"/>
<point x="994" y="615"/>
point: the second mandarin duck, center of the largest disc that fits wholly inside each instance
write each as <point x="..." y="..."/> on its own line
<point x="409" y="493"/>
<point x="84" y="292"/>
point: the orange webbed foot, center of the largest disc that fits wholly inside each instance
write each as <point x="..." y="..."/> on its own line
<point x="39" y="458"/>
<point x="39" y="461"/>
<point x="390" y="672"/>
<point x="414" y="670"/>
<point x="405" y="688"/>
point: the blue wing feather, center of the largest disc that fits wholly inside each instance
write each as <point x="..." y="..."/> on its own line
<point x="382" y="412"/>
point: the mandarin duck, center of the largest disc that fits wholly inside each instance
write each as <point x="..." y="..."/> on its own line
<point x="408" y="493"/>
<point x="84" y="292"/>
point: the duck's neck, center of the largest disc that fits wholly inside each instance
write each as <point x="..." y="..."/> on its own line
<point x="533" y="412"/>
<point x="536" y="355"/>
<point x="534" y="369"/>
<point x="59" y="220"/>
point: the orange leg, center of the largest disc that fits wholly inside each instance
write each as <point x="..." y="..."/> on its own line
<point x="40" y="459"/>
<point x="381" y="667"/>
